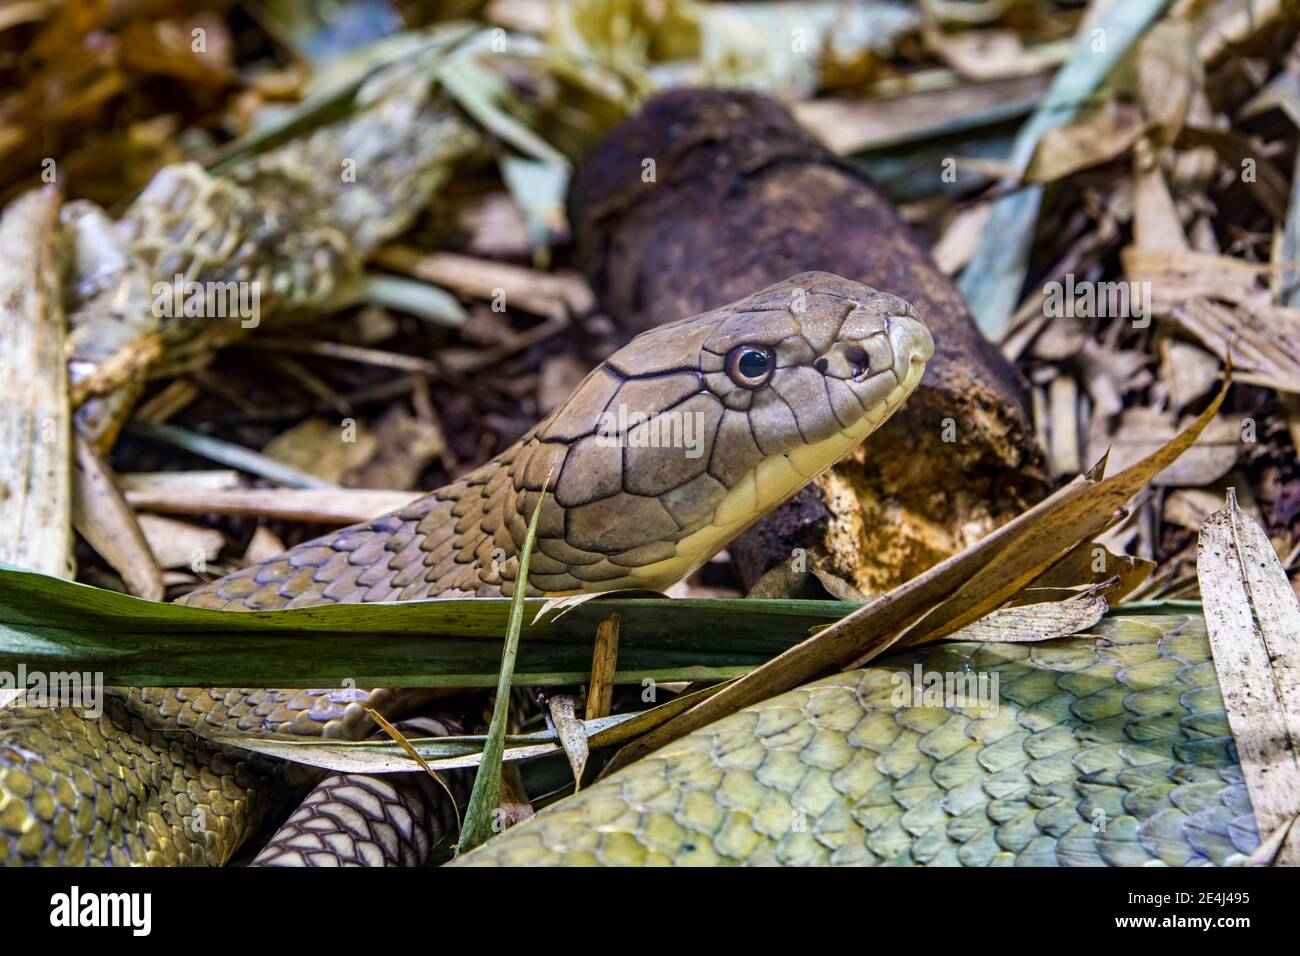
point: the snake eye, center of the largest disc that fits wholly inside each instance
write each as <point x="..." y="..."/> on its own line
<point x="750" y="366"/>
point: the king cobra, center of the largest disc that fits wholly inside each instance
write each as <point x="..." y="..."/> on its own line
<point x="1121" y="734"/>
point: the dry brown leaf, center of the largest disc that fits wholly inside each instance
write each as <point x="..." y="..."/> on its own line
<point x="554" y="295"/>
<point x="1188" y="371"/>
<point x="1096" y="137"/>
<point x="1253" y="618"/>
<point x="1062" y="338"/>
<point x="1189" y="507"/>
<point x="1041" y="620"/>
<point x="984" y="54"/>
<point x="326" y="449"/>
<point x="848" y="125"/>
<point x="1093" y="563"/>
<point x="1264" y="341"/>
<point x="1237" y="151"/>
<point x="1177" y="277"/>
<point x="572" y="733"/>
<point x="1235" y="27"/>
<point x="1140" y="431"/>
<point x="264" y="544"/>
<point x="1270" y="849"/>
<point x="1063" y="415"/>
<point x="959" y="238"/>
<point x="405" y="445"/>
<point x="180" y="544"/>
<point x="1168" y="75"/>
<point x="1109" y="373"/>
<point x="106" y="521"/>
<point x="1156" y="223"/>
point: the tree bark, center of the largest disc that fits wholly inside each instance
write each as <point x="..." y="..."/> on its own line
<point x="708" y="195"/>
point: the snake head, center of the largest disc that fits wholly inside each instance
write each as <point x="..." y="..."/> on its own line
<point x="695" y="429"/>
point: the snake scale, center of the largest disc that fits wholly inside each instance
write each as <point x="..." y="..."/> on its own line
<point x="1110" y="749"/>
<point x="1104" y="749"/>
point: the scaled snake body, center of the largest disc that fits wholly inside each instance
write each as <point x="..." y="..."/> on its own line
<point x="777" y="387"/>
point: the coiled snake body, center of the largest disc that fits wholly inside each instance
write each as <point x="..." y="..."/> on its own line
<point x="1104" y="749"/>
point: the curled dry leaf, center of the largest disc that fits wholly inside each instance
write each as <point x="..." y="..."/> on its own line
<point x="572" y="734"/>
<point x="1041" y="620"/>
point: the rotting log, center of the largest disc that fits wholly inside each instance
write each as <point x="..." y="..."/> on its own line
<point x="740" y="196"/>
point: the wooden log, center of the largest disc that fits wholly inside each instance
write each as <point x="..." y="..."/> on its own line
<point x="708" y="195"/>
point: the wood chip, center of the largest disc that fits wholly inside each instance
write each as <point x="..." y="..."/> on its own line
<point x="214" y="479"/>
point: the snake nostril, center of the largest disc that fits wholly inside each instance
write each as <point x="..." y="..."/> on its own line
<point x="821" y="365"/>
<point x="857" y="357"/>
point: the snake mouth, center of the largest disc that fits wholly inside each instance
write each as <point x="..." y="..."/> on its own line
<point x="911" y="341"/>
